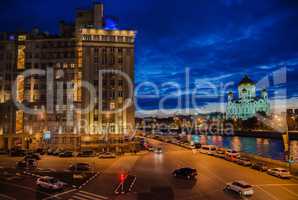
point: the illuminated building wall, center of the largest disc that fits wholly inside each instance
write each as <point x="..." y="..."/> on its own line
<point x="248" y="104"/>
<point x="74" y="56"/>
<point x="110" y="50"/>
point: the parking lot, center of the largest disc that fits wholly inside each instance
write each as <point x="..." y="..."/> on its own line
<point x="150" y="175"/>
<point x="14" y="183"/>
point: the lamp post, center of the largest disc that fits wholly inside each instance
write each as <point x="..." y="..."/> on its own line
<point x="282" y="124"/>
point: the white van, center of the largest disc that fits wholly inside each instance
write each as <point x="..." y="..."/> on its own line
<point x="208" y="149"/>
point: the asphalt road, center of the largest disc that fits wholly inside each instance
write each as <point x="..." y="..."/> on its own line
<point x="154" y="171"/>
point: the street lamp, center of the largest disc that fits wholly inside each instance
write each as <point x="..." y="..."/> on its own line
<point x="282" y="125"/>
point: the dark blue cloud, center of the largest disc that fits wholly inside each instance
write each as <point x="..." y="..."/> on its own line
<point x="219" y="41"/>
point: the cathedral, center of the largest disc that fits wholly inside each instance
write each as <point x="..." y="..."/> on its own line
<point x="247" y="104"/>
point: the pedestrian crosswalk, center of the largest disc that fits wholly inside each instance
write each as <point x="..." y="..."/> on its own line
<point x="83" y="195"/>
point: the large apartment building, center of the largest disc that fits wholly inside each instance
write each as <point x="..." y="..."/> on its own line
<point x="67" y="90"/>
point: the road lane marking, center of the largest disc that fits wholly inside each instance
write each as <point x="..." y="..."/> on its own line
<point x="92" y="194"/>
<point x="89" y="180"/>
<point x="7" y="197"/>
<point x="289" y="191"/>
<point x="132" y="184"/>
<point x="86" y="196"/>
<point x="25" y="188"/>
<point x="268" y="193"/>
<point x="277" y="184"/>
<point x="79" y="198"/>
<point x="117" y="188"/>
<point x="83" y="195"/>
<point x="56" y="196"/>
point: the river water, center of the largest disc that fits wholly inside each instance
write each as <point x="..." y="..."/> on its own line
<point x="271" y="148"/>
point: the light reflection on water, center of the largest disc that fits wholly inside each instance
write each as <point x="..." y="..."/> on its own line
<point x="271" y="148"/>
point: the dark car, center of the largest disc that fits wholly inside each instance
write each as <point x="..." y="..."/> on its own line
<point x="80" y="167"/>
<point x="187" y="173"/>
<point x="66" y="154"/>
<point x="243" y="161"/>
<point x="40" y="151"/>
<point x="259" y="166"/>
<point x="86" y="153"/>
<point x="3" y="152"/>
<point x="57" y="152"/>
<point x="17" y="152"/>
<point x="30" y="163"/>
<point x="35" y="156"/>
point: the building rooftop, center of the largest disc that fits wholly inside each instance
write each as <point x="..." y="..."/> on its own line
<point x="246" y="80"/>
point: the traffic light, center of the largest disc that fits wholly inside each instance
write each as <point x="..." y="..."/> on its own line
<point x="122" y="178"/>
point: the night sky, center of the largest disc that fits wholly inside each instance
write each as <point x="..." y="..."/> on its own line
<point x="218" y="40"/>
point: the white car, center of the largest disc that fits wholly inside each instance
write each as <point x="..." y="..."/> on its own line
<point x="232" y="155"/>
<point x="279" y="172"/>
<point x="107" y="155"/>
<point x="240" y="187"/>
<point x="231" y="152"/>
<point x="50" y="183"/>
<point x="220" y="153"/>
<point x="208" y="149"/>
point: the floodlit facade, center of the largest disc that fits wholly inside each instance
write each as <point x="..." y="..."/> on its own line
<point x="67" y="114"/>
<point x="248" y="104"/>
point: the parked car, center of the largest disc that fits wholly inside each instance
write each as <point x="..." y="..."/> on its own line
<point x="243" y="161"/>
<point x="66" y="154"/>
<point x="50" y="183"/>
<point x="197" y="145"/>
<point x="220" y="153"/>
<point x="208" y="149"/>
<point x="3" y="152"/>
<point x="188" y="173"/>
<point x="232" y="155"/>
<point x="35" y="156"/>
<point x="40" y="151"/>
<point x="279" y="172"/>
<point x="86" y="153"/>
<point x="240" y="187"/>
<point x="23" y="164"/>
<point x="17" y="152"/>
<point x="80" y="167"/>
<point x="57" y="152"/>
<point x="259" y="166"/>
<point x="50" y="151"/>
<point x="107" y="155"/>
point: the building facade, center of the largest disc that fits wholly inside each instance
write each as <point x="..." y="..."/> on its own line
<point x="292" y="118"/>
<point x="248" y="104"/>
<point x="52" y="76"/>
